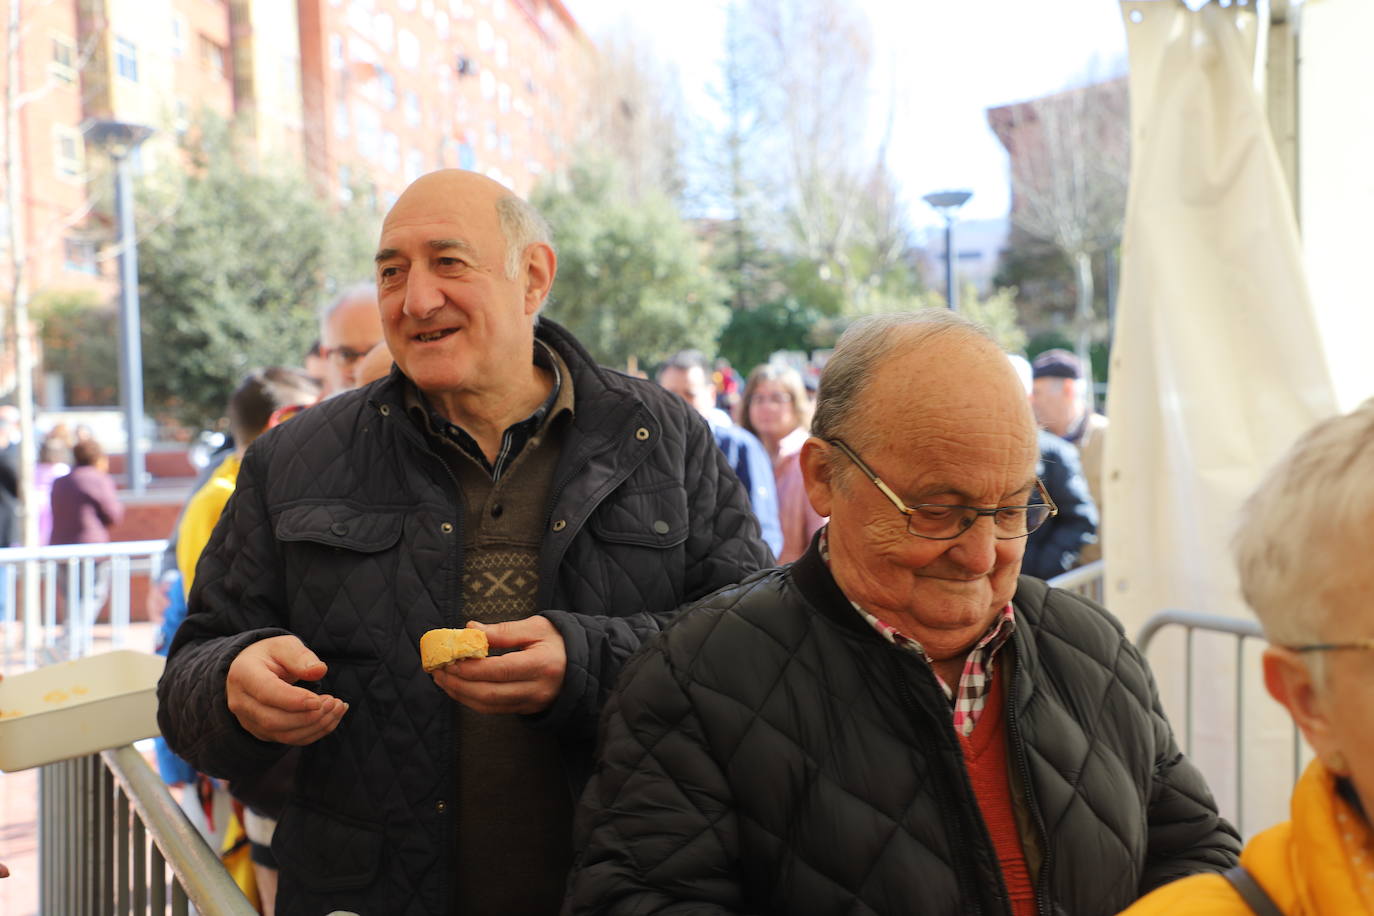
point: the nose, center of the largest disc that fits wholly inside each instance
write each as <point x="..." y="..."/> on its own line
<point x="423" y="297"/>
<point x="976" y="549"/>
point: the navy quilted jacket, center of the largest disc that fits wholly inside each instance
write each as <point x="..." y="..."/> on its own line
<point x="345" y="530"/>
<point x="772" y="754"/>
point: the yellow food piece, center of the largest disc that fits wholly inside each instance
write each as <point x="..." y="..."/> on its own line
<point x="10" y="713"/>
<point x="80" y="691"/>
<point x="56" y="696"/>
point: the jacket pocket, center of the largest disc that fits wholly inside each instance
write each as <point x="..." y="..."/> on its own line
<point x="643" y="518"/>
<point x="341" y="526"/>
<point x="327" y="852"/>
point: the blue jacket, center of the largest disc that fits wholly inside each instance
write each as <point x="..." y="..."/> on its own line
<point x="1054" y="547"/>
<point x="749" y="459"/>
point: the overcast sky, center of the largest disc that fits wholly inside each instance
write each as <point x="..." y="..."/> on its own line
<point x="941" y="63"/>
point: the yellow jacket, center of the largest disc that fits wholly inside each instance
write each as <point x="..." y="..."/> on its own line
<point x="1320" y="862"/>
<point x="198" y="521"/>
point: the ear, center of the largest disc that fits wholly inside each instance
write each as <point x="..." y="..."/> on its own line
<point x="541" y="265"/>
<point x="1289" y="681"/>
<point x="816" y="474"/>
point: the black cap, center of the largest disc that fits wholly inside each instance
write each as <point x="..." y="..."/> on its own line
<point x="1056" y="364"/>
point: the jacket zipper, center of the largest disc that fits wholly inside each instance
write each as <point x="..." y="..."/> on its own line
<point x="966" y="878"/>
<point x="1042" y="881"/>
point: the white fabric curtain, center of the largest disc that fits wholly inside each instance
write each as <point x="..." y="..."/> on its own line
<point x="1217" y="365"/>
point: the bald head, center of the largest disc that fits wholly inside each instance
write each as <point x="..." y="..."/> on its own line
<point x="349" y="328"/>
<point x="893" y="375"/>
<point x="478" y="199"/>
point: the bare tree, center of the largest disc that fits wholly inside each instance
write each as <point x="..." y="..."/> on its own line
<point x="799" y="141"/>
<point x="635" y="114"/>
<point x="1070" y="163"/>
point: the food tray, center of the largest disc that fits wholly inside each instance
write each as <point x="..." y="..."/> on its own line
<point x="76" y="708"/>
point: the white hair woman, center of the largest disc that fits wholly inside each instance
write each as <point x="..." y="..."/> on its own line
<point x="1303" y="553"/>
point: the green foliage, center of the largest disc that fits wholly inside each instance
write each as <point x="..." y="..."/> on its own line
<point x="631" y="281"/>
<point x="232" y="270"/>
<point x="997" y="313"/>
<point x="80" y="338"/>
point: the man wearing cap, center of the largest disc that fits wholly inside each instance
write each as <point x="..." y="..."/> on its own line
<point x="1057" y="397"/>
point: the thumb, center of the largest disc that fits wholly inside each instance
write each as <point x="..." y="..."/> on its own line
<point x="302" y="665"/>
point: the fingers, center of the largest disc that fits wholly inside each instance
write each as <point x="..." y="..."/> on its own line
<point x="523" y="697"/>
<point x="516" y="633"/>
<point x="261" y="693"/>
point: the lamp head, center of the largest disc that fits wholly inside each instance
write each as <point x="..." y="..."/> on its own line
<point x="118" y="138"/>
<point x="947" y="200"/>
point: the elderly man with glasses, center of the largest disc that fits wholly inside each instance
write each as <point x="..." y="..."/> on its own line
<point x="897" y="722"/>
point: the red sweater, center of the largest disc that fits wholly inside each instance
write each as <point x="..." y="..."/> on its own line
<point x="985" y="756"/>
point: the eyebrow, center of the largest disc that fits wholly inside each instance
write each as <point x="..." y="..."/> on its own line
<point x="387" y="254"/>
<point x="1029" y="485"/>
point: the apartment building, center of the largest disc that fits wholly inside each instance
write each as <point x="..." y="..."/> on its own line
<point x="358" y="95"/>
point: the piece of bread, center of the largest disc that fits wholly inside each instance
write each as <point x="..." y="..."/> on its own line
<point x="439" y="647"/>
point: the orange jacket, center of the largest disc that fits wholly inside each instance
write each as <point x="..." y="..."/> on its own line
<point x="1320" y="862"/>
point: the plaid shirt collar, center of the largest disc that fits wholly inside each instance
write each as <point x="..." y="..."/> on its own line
<point x="975" y="681"/>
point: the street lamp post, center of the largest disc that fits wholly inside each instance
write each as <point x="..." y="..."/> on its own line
<point x="947" y="203"/>
<point x="119" y="140"/>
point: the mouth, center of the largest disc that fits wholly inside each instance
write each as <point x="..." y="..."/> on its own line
<point x="431" y="336"/>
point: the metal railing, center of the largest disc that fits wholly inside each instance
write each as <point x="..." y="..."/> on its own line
<point x="1086" y="580"/>
<point x="51" y="597"/>
<point x="111" y="839"/>
<point x="1241" y="630"/>
<point x="109" y="830"/>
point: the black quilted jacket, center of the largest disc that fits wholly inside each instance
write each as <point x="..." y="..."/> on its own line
<point x="772" y="754"/>
<point x="345" y="530"/>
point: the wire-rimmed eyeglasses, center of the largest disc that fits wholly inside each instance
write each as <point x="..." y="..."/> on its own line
<point x="945" y="522"/>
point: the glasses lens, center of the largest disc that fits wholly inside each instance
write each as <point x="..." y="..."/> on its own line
<point x="345" y="356"/>
<point x="940" y="522"/>
<point x="1033" y="517"/>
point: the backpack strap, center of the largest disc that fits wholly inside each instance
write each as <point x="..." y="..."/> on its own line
<point x="1251" y="892"/>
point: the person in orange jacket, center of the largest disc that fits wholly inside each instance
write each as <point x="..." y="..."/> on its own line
<point x="1302" y="552"/>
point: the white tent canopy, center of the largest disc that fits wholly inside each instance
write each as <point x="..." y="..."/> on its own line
<point x="1222" y="356"/>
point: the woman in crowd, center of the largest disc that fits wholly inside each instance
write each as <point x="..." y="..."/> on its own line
<point x="1302" y="551"/>
<point x="85" y="506"/>
<point x="776" y="408"/>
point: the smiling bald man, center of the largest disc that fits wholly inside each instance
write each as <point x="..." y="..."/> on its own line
<point x="498" y="478"/>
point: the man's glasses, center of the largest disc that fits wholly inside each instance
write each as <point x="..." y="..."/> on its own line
<point x="942" y="522"/>
<point x="344" y="356"/>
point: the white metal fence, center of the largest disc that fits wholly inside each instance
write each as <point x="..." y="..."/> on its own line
<point x="111" y="839"/>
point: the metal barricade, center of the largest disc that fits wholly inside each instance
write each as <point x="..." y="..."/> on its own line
<point x="51" y="597"/>
<point x="1241" y="630"/>
<point x="108" y="832"/>
<point x="1086" y="580"/>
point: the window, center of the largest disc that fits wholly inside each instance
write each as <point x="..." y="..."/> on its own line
<point x="387" y="84"/>
<point x="486" y="36"/>
<point x="408" y="49"/>
<point x="181" y="117"/>
<point x="63" y="66"/>
<point x="502" y="52"/>
<point x="488" y="83"/>
<point x="126" y="59"/>
<point x="79" y="255"/>
<point x="69" y="153"/>
<point x="211" y="55"/>
<point x="413" y="112"/>
<point x="383" y="31"/>
<point x="178" y="43"/>
<point x="503" y="97"/>
<point x="336" y="52"/>
<point x="391" y="152"/>
<point x="341" y="120"/>
<point x="415" y="165"/>
<point x="441" y="25"/>
<point x="345" y="186"/>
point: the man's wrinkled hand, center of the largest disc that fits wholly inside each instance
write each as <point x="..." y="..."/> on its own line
<point x="524" y="680"/>
<point x="262" y="695"/>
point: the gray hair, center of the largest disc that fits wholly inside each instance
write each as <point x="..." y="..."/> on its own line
<point x="865" y="344"/>
<point x="1303" y="541"/>
<point x="523" y="226"/>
